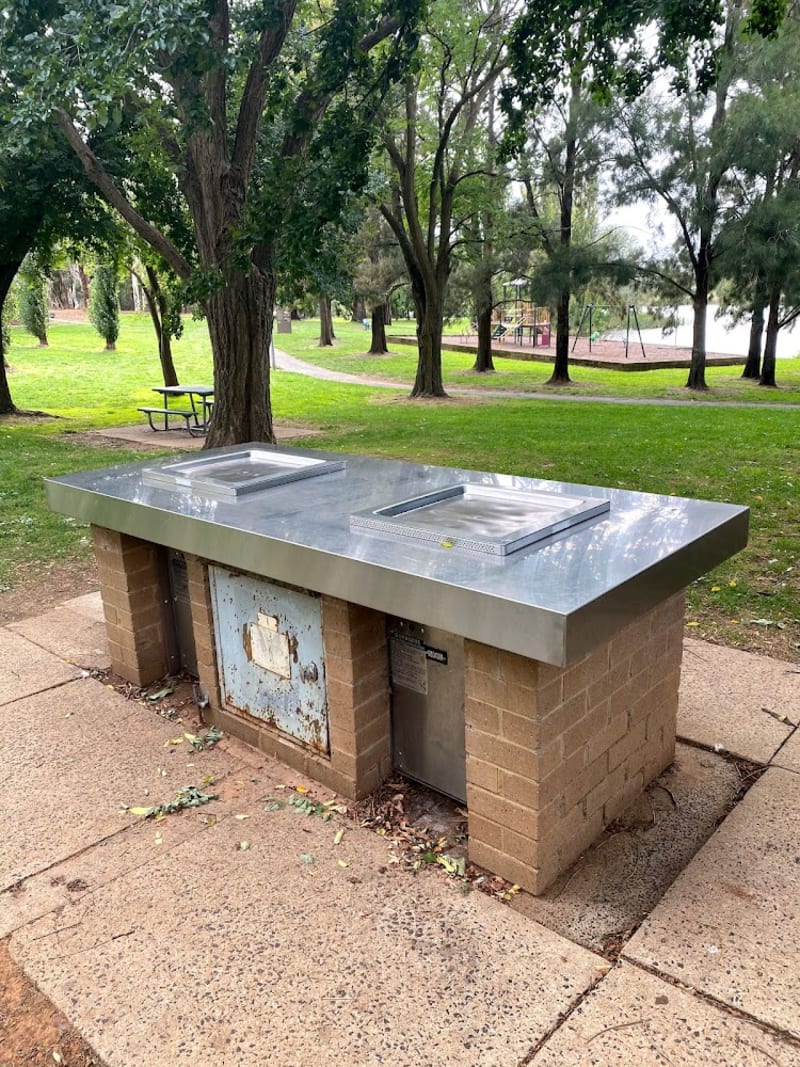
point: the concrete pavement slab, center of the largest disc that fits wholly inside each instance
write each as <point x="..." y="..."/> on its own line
<point x="27" y="669"/>
<point x="88" y="604"/>
<point x="71" y="635"/>
<point x="632" y="1017"/>
<point x="250" y="775"/>
<point x="735" y="700"/>
<point x="71" y="761"/>
<point x="728" y="926"/>
<point x="788" y="756"/>
<point x="299" y="950"/>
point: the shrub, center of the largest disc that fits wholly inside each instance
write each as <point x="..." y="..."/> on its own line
<point x="32" y="299"/>
<point x="104" y="305"/>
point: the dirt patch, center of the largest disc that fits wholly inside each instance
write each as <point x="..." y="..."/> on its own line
<point x="32" y="1032"/>
<point x="35" y="593"/>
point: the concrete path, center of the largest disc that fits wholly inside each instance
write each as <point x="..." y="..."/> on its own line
<point x="240" y="933"/>
<point x="283" y="361"/>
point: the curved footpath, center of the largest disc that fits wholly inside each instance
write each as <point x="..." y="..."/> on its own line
<point x="283" y="361"/>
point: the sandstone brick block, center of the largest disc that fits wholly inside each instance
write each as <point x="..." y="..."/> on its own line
<point x="485" y="775"/>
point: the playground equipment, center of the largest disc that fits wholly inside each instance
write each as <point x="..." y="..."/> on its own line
<point x="516" y="318"/>
<point x="631" y="316"/>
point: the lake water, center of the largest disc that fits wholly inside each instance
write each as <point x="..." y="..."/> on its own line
<point x="722" y="335"/>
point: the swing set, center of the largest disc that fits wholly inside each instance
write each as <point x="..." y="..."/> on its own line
<point x="631" y="321"/>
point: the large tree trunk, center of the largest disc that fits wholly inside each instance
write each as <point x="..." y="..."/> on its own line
<point x="359" y="310"/>
<point x="378" y="345"/>
<point x="157" y="306"/>
<point x="8" y="272"/>
<point x="771" y="340"/>
<point x="84" y="285"/>
<point x="387" y="313"/>
<point x="752" y="367"/>
<point x="430" y="322"/>
<point x="560" y="375"/>
<point x="326" y="336"/>
<point x="483" y="314"/>
<point x="240" y="327"/>
<point x="697" y="368"/>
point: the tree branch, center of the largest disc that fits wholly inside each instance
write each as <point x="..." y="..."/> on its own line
<point x="269" y="47"/>
<point x="99" y="177"/>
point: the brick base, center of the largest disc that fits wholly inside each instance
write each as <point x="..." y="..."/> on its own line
<point x="554" y="755"/>
<point x="136" y="604"/>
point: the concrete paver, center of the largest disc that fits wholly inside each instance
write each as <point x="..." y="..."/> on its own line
<point x="72" y="635"/>
<point x="735" y="700"/>
<point x="71" y="761"/>
<point x="728" y="925"/>
<point x="27" y="668"/>
<point x="300" y="951"/>
<point x="635" y="1018"/>
<point x="168" y="943"/>
<point x="788" y="756"/>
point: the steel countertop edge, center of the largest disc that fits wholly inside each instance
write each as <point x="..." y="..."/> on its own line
<point x="553" y="601"/>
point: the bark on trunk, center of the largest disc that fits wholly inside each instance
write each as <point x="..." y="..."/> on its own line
<point x="771" y="341"/>
<point x="560" y="375"/>
<point x="387" y="313"/>
<point x="697" y="368"/>
<point x="359" y="311"/>
<point x="483" y="358"/>
<point x="326" y="336"/>
<point x="430" y="322"/>
<point x="84" y="285"/>
<point x="752" y="367"/>
<point x="157" y="306"/>
<point x="240" y="326"/>
<point x="378" y="345"/>
<point x="8" y="272"/>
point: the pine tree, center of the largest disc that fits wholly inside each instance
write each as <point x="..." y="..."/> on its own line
<point x="104" y="306"/>
<point x="32" y="299"/>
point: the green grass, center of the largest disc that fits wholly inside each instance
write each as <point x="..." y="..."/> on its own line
<point x="747" y="456"/>
<point x="513" y="375"/>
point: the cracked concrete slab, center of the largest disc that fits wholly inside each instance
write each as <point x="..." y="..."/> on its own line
<point x="728" y="925"/>
<point x="735" y="700"/>
<point x="788" y="756"/>
<point x="632" y="1017"/>
<point x="71" y="761"/>
<point x="71" y="635"/>
<point x="28" y="669"/>
<point x="298" y="949"/>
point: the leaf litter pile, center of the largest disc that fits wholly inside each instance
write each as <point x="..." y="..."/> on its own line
<point x="425" y="830"/>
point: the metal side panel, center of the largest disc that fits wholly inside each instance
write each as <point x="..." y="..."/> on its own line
<point x="270" y="655"/>
<point x="427" y="679"/>
<point x="182" y="610"/>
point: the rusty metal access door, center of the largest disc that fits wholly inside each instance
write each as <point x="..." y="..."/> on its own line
<point x="270" y="655"/>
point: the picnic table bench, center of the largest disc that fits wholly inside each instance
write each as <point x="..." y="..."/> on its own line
<point x="194" y="418"/>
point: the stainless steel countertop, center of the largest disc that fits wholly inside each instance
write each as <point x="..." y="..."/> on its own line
<point x="553" y="601"/>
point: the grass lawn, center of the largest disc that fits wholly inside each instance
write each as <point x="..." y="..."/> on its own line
<point x="512" y="375"/>
<point x="749" y="456"/>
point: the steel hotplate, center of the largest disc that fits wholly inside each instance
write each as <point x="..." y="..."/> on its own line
<point x="481" y="518"/>
<point x="238" y="473"/>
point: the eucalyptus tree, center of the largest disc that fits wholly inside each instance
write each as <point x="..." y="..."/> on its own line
<point x="429" y="130"/>
<point x="676" y="150"/>
<point x="236" y="95"/>
<point x="43" y="200"/>
<point x="378" y="271"/>
<point x="760" y="238"/>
